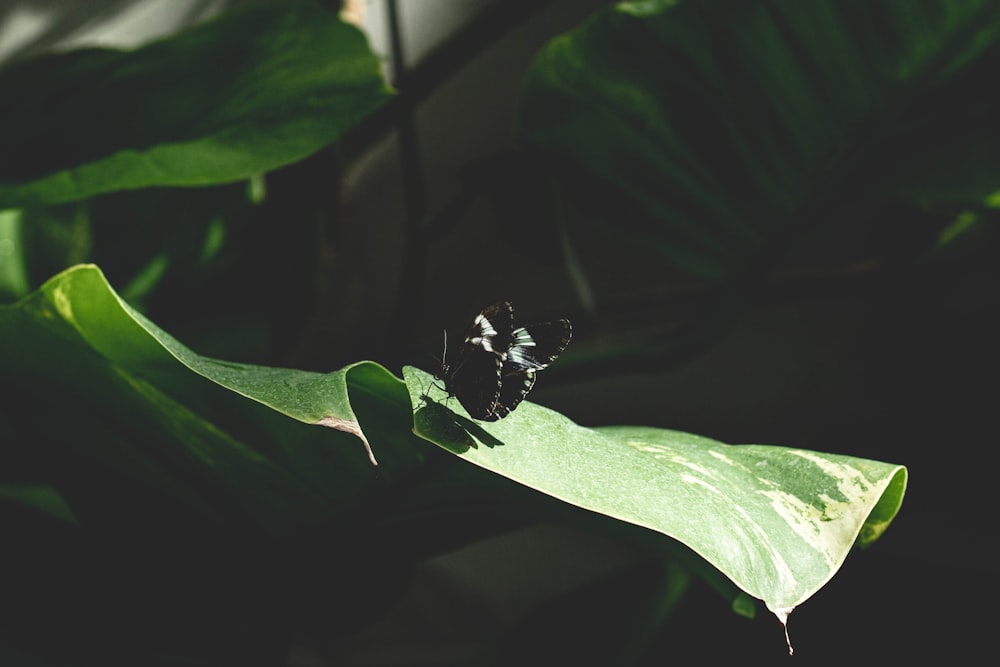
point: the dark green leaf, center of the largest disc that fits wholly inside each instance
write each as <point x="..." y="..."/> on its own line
<point x="249" y="92"/>
<point x="41" y="497"/>
<point x="725" y="124"/>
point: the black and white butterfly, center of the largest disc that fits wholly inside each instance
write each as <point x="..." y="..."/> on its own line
<point x="497" y="361"/>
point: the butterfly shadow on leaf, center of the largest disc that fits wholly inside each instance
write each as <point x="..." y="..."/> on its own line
<point x="450" y="430"/>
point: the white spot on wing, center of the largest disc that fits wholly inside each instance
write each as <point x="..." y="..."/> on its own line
<point x="523" y="338"/>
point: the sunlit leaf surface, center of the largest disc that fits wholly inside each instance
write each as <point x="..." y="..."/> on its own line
<point x="777" y="521"/>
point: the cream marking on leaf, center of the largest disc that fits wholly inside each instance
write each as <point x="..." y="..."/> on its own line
<point x="705" y="473"/>
<point x="699" y="481"/>
<point x="746" y="543"/>
<point x="739" y="539"/>
<point x="725" y="459"/>
<point x="852" y="482"/>
<point x="734" y="463"/>
<point x="784" y="573"/>
<point x="658" y="451"/>
<point x="805" y="520"/>
<point x="831" y="528"/>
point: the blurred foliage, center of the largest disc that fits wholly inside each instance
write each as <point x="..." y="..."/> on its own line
<point x="755" y="146"/>
<point x="260" y="88"/>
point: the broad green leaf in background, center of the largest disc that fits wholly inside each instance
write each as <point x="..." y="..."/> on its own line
<point x="730" y="123"/>
<point x="13" y="273"/>
<point x="41" y="497"/>
<point x="251" y="91"/>
<point x="778" y="522"/>
<point x="96" y="373"/>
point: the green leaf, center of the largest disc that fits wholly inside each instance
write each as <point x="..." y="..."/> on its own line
<point x="246" y="93"/>
<point x="13" y="272"/>
<point x="724" y="124"/>
<point x="122" y="389"/>
<point x="778" y="522"/>
<point x="82" y="298"/>
<point x="41" y="497"/>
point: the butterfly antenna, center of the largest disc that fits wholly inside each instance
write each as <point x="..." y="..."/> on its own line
<point x="440" y="360"/>
<point x="443" y="368"/>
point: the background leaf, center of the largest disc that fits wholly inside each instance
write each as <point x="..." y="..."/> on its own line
<point x="246" y="93"/>
<point x="39" y="496"/>
<point x="764" y="124"/>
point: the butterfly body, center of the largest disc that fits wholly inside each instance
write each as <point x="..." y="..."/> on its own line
<point x="497" y="362"/>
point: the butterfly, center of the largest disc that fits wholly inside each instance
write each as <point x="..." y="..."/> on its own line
<point x="497" y="361"/>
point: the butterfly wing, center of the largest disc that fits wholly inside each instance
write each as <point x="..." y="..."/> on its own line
<point x="475" y="379"/>
<point x="497" y="363"/>
<point x="513" y="388"/>
<point x="475" y="382"/>
<point x="491" y="330"/>
<point x="537" y="346"/>
<point x="532" y="349"/>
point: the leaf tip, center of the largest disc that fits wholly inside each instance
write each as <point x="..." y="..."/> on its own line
<point x="350" y="426"/>
<point x="782" y="614"/>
